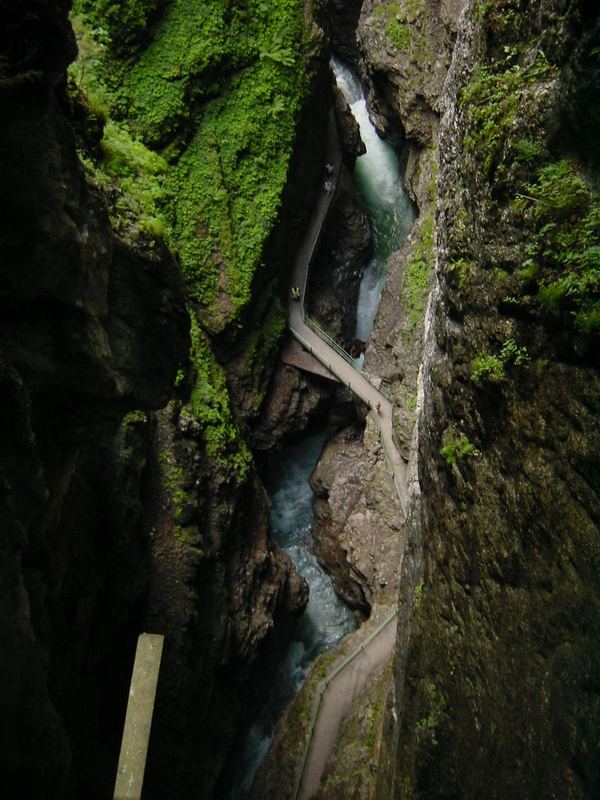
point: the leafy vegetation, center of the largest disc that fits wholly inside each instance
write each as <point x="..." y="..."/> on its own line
<point x="564" y="255"/>
<point x="492" y="367"/>
<point x="418" y="270"/>
<point x="195" y="110"/>
<point x="217" y="90"/>
<point x="492" y="99"/>
<point x="398" y="19"/>
<point x="126" y="21"/>
<point x="132" y="176"/>
<point x="458" y="448"/>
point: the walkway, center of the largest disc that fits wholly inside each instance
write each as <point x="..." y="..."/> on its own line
<point x="331" y="355"/>
<point x="350" y="677"/>
<point x="336" y="695"/>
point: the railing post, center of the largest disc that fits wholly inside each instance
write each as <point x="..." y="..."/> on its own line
<point x="138" y="720"/>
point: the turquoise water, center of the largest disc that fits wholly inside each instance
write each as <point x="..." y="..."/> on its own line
<point x="326" y="619"/>
<point x="378" y="179"/>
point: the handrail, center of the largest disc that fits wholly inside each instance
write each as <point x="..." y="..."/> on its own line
<point x="322" y="689"/>
<point x="307" y="255"/>
<point x="373" y="379"/>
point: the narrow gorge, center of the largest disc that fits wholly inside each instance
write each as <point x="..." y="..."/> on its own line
<point x="299" y="363"/>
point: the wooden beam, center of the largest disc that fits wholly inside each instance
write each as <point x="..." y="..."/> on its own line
<point x="138" y="720"/>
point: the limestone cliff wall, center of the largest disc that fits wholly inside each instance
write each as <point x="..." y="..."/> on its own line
<point x="496" y="671"/>
<point x="115" y="518"/>
<point x="91" y="326"/>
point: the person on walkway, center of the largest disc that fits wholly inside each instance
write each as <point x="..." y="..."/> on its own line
<point x="379" y="408"/>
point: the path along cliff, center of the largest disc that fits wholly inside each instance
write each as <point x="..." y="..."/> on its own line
<point x="366" y="387"/>
<point x="349" y="677"/>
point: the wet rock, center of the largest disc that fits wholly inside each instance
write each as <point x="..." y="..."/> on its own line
<point x="334" y="278"/>
<point x="91" y="327"/>
<point x="342" y="16"/>
<point x="497" y="536"/>
<point x="406" y="49"/>
<point x="357" y="518"/>
<point x="348" y="130"/>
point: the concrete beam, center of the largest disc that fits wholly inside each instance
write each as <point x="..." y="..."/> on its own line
<point x="138" y="720"/>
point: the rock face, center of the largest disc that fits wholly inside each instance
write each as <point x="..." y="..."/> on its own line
<point x="334" y="278"/>
<point x="348" y="130"/>
<point x="115" y="522"/>
<point x="496" y="690"/>
<point x="406" y="48"/>
<point x="91" y="327"/>
<point x="224" y="595"/>
<point x="343" y="18"/>
<point x="357" y="519"/>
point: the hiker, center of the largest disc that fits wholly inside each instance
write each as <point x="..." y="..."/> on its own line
<point x="379" y="408"/>
<point x="296" y="293"/>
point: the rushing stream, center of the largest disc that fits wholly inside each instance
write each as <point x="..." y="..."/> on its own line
<point x="377" y="177"/>
<point x="326" y="619"/>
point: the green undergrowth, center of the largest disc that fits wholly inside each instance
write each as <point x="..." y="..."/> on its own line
<point x="191" y="112"/>
<point x="493" y="99"/>
<point x="563" y="261"/>
<point x="209" y="404"/>
<point x="550" y="198"/>
<point x="215" y="91"/>
<point x="398" y="19"/>
<point x="418" y="271"/>
<point x="132" y="176"/>
<point x="492" y="368"/>
<point x="458" y="448"/>
<point x="126" y="21"/>
<point x="227" y="185"/>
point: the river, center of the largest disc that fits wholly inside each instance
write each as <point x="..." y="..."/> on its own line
<point x="377" y="178"/>
<point x="326" y="619"/>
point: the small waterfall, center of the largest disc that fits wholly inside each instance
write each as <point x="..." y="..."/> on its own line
<point x="377" y="177"/>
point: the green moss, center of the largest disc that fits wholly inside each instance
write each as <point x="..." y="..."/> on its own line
<point x="398" y="33"/>
<point x="418" y="270"/>
<point x="227" y="185"/>
<point x="222" y="87"/>
<point x="174" y="481"/>
<point x="398" y="18"/>
<point x="132" y="176"/>
<point x="209" y="404"/>
<point x="200" y="122"/>
<point x="217" y="89"/>
<point x="125" y="21"/>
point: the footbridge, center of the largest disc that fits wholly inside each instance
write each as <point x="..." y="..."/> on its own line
<point x="336" y="362"/>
